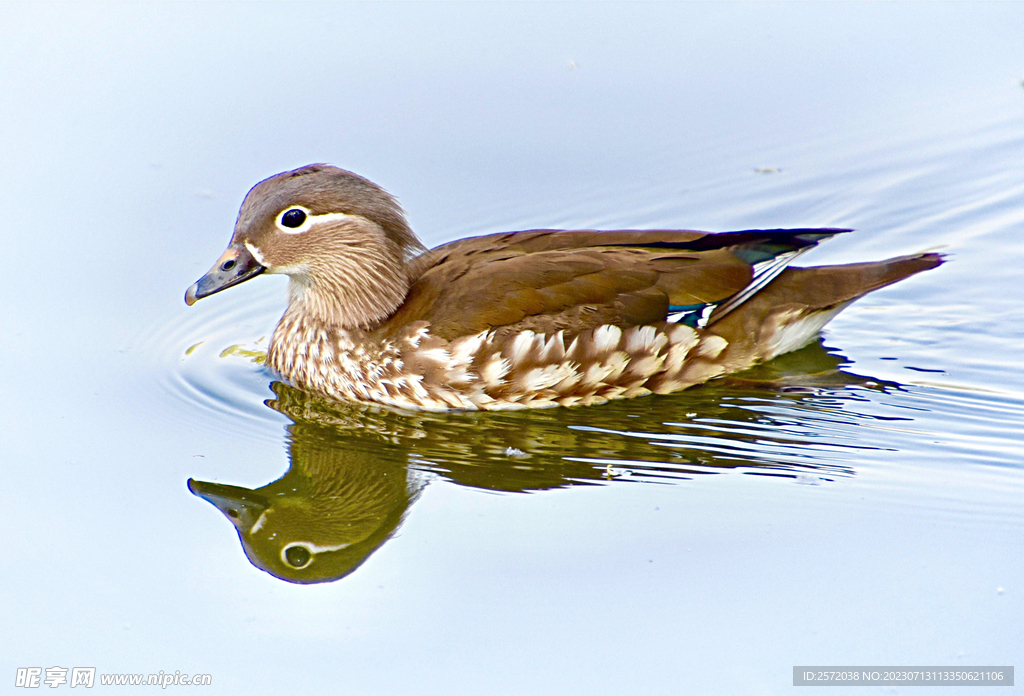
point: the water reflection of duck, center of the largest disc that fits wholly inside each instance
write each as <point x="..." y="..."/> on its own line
<point x="525" y="319"/>
<point x="356" y="468"/>
<point x="325" y="516"/>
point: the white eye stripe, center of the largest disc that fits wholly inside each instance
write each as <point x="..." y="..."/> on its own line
<point x="313" y="550"/>
<point x="310" y="220"/>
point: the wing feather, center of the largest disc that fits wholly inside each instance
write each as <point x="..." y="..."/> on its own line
<point x="565" y="280"/>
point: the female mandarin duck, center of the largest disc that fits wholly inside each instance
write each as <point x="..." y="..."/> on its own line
<point x="522" y="319"/>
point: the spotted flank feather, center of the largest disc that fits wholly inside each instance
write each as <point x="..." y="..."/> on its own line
<point x="528" y="370"/>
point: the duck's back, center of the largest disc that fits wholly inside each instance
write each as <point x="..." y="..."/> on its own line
<point x="574" y="281"/>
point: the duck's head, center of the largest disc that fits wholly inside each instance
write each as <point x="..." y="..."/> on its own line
<point x="343" y="241"/>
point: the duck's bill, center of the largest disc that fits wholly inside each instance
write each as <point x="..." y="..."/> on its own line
<point x="236" y="265"/>
<point x="241" y="505"/>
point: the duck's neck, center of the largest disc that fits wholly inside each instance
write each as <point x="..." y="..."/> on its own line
<point x="335" y="309"/>
<point x="359" y="294"/>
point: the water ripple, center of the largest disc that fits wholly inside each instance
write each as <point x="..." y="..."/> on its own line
<point x="210" y="361"/>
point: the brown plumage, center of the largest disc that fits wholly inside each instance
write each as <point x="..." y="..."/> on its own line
<point x="522" y="319"/>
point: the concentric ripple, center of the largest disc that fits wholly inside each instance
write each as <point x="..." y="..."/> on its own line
<point x="212" y="361"/>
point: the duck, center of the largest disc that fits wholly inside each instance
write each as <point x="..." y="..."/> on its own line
<point x="528" y="319"/>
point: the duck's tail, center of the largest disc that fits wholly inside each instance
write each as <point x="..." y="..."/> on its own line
<point x="788" y="313"/>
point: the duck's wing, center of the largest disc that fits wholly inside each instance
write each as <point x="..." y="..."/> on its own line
<point x="550" y="280"/>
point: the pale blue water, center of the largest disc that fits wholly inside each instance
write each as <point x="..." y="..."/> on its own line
<point x="857" y="503"/>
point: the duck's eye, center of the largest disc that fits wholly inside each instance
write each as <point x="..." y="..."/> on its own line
<point x="293" y="218"/>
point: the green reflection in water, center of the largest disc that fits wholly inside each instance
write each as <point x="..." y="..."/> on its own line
<point x="356" y="469"/>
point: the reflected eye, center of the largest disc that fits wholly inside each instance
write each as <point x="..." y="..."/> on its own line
<point x="293" y="218"/>
<point x="297" y="556"/>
